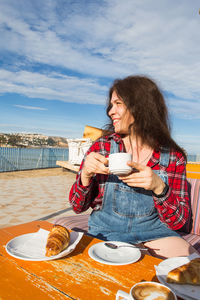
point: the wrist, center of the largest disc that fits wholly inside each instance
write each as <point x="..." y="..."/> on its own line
<point x="85" y="174"/>
<point x="162" y="193"/>
<point x="159" y="186"/>
<point x="85" y="178"/>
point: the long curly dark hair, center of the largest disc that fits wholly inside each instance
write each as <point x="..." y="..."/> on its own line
<point x="146" y="103"/>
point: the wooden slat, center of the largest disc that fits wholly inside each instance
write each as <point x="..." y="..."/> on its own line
<point x="193" y="170"/>
<point x="193" y="175"/>
<point x="93" y="133"/>
<point x="194" y="167"/>
<point x="67" y="165"/>
<point x="18" y="284"/>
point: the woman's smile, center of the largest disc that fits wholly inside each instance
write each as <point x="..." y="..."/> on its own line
<point x="120" y="115"/>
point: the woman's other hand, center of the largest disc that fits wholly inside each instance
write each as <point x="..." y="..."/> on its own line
<point x="144" y="177"/>
<point x="94" y="163"/>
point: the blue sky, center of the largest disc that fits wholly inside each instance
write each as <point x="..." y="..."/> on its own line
<point x="58" y="59"/>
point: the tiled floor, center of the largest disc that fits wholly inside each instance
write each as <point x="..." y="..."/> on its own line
<point x="30" y="195"/>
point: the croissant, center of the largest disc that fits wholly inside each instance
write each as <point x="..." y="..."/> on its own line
<point x="57" y="240"/>
<point x="186" y="274"/>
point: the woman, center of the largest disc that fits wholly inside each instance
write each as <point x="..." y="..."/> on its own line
<point x="147" y="206"/>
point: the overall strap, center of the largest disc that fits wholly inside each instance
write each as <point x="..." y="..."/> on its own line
<point x="164" y="157"/>
<point x="114" y="147"/>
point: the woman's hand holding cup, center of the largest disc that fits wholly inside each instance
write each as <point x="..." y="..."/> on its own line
<point x="145" y="178"/>
<point x="95" y="163"/>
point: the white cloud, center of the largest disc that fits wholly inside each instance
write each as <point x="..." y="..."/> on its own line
<point x="185" y="109"/>
<point x="189" y="142"/>
<point x="29" y="107"/>
<point x="107" y="39"/>
<point x="52" y="86"/>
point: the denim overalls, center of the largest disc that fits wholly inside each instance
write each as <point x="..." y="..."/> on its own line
<point x="128" y="214"/>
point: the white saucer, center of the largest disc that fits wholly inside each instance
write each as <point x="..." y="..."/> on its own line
<point x="120" y="172"/>
<point x="117" y="257"/>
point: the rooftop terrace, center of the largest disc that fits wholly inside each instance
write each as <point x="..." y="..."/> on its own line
<point x="36" y="194"/>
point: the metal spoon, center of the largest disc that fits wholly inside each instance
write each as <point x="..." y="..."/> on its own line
<point x="114" y="246"/>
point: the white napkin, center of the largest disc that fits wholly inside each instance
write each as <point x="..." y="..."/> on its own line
<point x="32" y="246"/>
<point x="186" y="291"/>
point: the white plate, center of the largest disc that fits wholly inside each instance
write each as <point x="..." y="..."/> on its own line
<point x="120" y="256"/>
<point x="185" y="291"/>
<point x="31" y="246"/>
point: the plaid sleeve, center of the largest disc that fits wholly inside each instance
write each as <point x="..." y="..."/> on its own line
<point x="82" y="197"/>
<point x="173" y="209"/>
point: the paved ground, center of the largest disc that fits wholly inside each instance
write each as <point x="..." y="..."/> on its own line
<point x="30" y="195"/>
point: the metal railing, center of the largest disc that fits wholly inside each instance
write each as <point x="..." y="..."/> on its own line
<point x="193" y="158"/>
<point x="15" y="159"/>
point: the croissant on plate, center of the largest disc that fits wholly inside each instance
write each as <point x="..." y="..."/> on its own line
<point x="186" y="274"/>
<point x="58" y="239"/>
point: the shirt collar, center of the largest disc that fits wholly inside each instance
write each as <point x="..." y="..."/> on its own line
<point x="116" y="137"/>
<point x="155" y="158"/>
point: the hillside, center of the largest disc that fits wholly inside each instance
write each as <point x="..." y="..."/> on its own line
<point x="31" y="140"/>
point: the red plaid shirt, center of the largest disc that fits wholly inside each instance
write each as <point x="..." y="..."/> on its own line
<point x="173" y="209"/>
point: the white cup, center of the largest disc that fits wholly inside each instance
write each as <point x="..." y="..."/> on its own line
<point x="118" y="163"/>
<point x="147" y="290"/>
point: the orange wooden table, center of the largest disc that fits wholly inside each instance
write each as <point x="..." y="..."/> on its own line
<point x="75" y="276"/>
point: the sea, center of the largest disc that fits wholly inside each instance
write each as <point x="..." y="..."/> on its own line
<point x="17" y="159"/>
